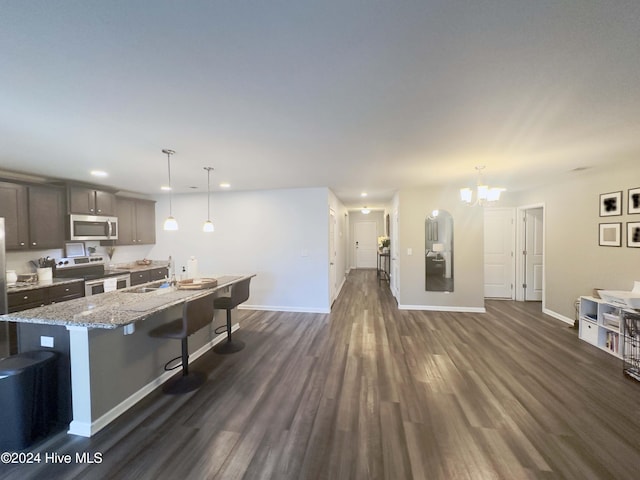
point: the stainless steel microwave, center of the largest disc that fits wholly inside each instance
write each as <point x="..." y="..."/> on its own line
<point x="91" y="227"/>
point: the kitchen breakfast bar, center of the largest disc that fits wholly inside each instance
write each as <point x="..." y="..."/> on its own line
<point x="107" y="360"/>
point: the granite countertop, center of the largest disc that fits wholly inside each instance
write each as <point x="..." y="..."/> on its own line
<point x="114" y="309"/>
<point x="24" y="286"/>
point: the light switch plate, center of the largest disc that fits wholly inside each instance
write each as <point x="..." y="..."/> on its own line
<point x="409" y="251"/>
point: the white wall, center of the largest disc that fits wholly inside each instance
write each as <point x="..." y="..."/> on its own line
<point x="281" y="235"/>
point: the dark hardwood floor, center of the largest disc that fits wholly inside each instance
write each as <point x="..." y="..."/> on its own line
<point x="373" y="392"/>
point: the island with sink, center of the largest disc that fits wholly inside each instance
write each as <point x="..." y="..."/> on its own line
<point x="107" y="360"/>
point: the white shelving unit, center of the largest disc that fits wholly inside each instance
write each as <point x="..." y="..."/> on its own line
<point x="601" y="325"/>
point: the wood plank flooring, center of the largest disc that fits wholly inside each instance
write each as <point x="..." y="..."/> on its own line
<point x="372" y="392"/>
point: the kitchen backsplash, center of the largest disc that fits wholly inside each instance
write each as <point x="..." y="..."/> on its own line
<point x="20" y="261"/>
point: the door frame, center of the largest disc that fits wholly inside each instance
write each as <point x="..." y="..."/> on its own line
<point x="520" y="258"/>
<point x="333" y="256"/>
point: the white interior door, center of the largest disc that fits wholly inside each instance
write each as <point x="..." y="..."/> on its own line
<point x="499" y="246"/>
<point x="533" y="256"/>
<point x="333" y="287"/>
<point x="366" y="244"/>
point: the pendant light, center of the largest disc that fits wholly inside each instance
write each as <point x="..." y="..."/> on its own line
<point x="484" y="193"/>
<point x="170" y="223"/>
<point x="208" y="225"/>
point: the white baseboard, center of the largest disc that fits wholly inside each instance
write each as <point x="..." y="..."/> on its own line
<point x="443" y="308"/>
<point x="558" y="316"/>
<point x="275" y="308"/>
<point x="85" y="429"/>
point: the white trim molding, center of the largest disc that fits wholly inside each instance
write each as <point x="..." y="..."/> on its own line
<point x="443" y="308"/>
<point x="558" y="316"/>
<point x="276" y="308"/>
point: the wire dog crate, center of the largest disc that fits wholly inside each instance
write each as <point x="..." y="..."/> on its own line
<point x="631" y="345"/>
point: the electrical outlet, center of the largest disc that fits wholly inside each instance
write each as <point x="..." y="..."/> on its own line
<point x="46" y="341"/>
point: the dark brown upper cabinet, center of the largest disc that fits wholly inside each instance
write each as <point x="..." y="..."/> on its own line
<point x="47" y="216"/>
<point x="89" y="201"/>
<point x="34" y="216"/>
<point x="136" y="221"/>
<point x="14" y="208"/>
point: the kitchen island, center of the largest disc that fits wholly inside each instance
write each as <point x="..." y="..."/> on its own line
<point x="109" y="360"/>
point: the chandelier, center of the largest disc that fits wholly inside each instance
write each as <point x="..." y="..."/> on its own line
<point x="484" y="193"/>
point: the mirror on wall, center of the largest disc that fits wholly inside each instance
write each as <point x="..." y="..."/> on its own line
<point x="438" y="256"/>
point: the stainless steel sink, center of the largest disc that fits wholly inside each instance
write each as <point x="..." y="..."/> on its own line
<point x="153" y="287"/>
<point x="142" y="290"/>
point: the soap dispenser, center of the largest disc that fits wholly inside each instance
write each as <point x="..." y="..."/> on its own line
<point x="192" y="268"/>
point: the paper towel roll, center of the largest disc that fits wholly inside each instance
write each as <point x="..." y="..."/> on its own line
<point x="110" y="284"/>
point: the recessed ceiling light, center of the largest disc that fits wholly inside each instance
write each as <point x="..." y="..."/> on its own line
<point x="166" y="188"/>
<point x="99" y="173"/>
<point x="363" y="194"/>
<point x="225" y="185"/>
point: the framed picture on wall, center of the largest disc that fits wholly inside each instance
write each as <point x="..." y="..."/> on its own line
<point x="611" y="204"/>
<point x="610" y="235"/>
<point x="633" y="205"/>
<point x="633" y="234"/>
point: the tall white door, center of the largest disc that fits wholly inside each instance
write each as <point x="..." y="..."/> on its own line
<point x="533" y="257"/>
<point x="499" y="246"/>
<point x="366" y="244"/>
<point x="332" y="256"/>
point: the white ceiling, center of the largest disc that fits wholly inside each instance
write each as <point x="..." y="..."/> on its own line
<point x="353" y="95"/>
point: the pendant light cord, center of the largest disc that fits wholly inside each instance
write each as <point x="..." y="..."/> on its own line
<point x="208" y="194"/>
<point x="169" y="153"/>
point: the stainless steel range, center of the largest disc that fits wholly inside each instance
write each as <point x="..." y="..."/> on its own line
<point x="92" y="268"/>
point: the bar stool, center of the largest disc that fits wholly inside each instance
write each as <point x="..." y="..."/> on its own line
<point x="239" y="294"/>
<point x="196" y="314"/>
